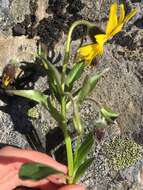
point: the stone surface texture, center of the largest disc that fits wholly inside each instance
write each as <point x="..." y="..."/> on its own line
<point x="25" y="23"/>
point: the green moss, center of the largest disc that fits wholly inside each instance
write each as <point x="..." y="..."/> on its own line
<point x="33" y="113"/>
<point x="122" y="153"/>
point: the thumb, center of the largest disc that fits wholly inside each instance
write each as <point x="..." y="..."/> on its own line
<point x="72" y="187"/>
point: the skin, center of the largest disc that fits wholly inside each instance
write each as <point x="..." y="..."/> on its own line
<point x="11" y="160"/>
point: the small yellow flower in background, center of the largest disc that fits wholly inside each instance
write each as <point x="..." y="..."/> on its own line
<point x="114" y="25"/>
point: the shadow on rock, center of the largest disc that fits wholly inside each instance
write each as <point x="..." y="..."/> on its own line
<point x="17" y="107"/>
<point x="55" y="145"/>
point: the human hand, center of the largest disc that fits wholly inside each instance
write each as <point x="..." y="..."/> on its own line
<point x="11" y="159"/>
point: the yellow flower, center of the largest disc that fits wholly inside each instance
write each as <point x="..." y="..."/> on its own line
<point x="89" y="52"/>
<point x="114" y="25"/>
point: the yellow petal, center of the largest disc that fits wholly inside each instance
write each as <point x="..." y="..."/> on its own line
<point x="86" y="50"/>
<point x="89" y="52"/>
<point x="112" y="23"/>
<point x="122" y="14"/>
<point x="101" y="39"/>
<point x="115" y="31"/>
<point x="6" y="81"/>
<point x="130" y="15"/>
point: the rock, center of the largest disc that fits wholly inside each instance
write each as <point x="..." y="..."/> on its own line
<point x="22" y="25"/>
<point x="16" y="48"/>
<point x="18" y="9"/>
<point x="41" y="10"/>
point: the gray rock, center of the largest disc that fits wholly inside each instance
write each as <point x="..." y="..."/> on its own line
<point x="121" y="88"/>
<point x="18" y="9"/>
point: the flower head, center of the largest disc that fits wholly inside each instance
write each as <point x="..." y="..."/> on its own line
<point x="114" y="25"/>
<point x="89" y="52"/>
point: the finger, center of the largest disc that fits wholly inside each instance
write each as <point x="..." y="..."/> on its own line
<point x="33" y="156"/>
<point x="72" y="187"/>
<point x="49" y="186"/>
<point x="9" y="181"/>
<point x="10" y="159"/>
<point x="11" y="164"/>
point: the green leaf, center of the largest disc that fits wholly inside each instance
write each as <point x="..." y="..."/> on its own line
<point x="89" y="84"/>
<point x="54" y="112"/>
<point x="77" y="118"/>
<point x="36" y="171"/>
<point x="78" y="123"/>
<point x="84" y="91"/>
<point x="53" y="87"/>
<point x="82" y="169"/>
<point x="54" y="73"/>
<point x="75" y="73"/>
<point x="108" y="114"/>
<point x="31" y="94"/>
<point x="83" y="151"/>
<point x="40" y="98"/>
<point x="75" y="98"/>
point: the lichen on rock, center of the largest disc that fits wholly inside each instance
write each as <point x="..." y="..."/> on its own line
<point x="122" y="153"/>
<point x="33" y="113"/>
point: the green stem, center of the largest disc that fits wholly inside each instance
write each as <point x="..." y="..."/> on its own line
<point x="78" y="143"/>
<point x="77" y="147"/>
<point x="63" y="101"/>
<point x="69" y="157"/>
<point x="67" y="141"/>
<point x="68" y="42"/>
<point x="76" y="114"/>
